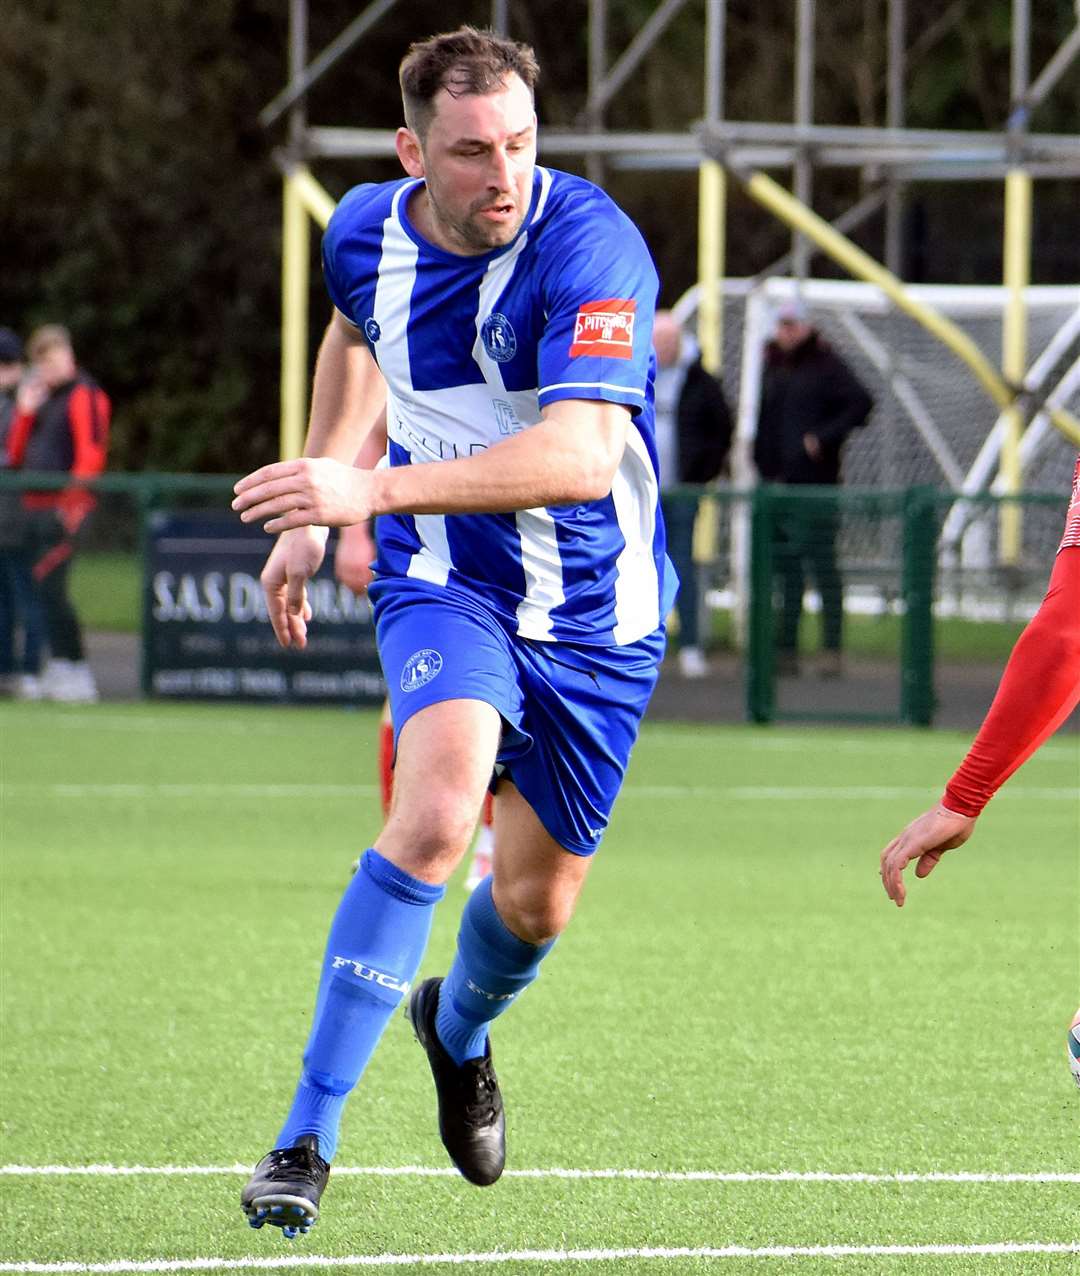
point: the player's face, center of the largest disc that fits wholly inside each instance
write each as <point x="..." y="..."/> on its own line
<point x="477" y="161"/>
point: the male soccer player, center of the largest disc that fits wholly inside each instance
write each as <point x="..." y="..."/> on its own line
<point x="520" y="581"/>
<point x="1039" y="689"/>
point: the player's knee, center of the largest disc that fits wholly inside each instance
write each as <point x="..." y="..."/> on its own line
<point x="536" y="917"/>
<point x="434" y="832"/>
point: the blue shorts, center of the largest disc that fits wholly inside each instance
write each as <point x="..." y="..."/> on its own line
<point x="570" y="712"/>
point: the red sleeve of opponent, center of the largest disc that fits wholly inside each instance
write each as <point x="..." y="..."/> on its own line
<point x="1039" y="689"/>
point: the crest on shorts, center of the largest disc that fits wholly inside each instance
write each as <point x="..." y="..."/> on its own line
<point x="500" y="340"/>
<point x="371" y="329"/>
<point x="420" y="668"/>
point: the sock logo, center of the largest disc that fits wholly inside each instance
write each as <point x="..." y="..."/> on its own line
<point x="372" y="975"/>
<point x="491" y="996"/>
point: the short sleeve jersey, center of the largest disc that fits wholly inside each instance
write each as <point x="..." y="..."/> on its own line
<point x="472" y="349"/>
<point x="1072" y="518"/>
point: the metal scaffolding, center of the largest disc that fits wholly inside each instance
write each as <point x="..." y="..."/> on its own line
<point x="720" y="148"/>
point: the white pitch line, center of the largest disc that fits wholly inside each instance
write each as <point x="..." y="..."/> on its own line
<point x="661" y="736"/>
<point x="556" y="1172"/>
<point x="998" y="1249"/>
<point x="717" y="792"/>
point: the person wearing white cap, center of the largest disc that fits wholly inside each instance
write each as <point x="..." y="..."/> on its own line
<point x="810" y="402"/>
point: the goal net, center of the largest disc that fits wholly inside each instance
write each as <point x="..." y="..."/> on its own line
<point x="932" y="424"/>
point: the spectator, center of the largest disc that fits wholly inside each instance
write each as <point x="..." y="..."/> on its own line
<point x="693" y="434"/>
<point x="20" y="612"/>
<point x="810" y="402"/>
<point x="61" y="426"/>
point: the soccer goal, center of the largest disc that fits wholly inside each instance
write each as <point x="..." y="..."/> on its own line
<point x="933" y="424"/>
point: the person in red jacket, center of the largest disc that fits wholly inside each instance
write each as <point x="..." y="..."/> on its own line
<point x="61" y="426"/>
<point x="1039" y="689"/>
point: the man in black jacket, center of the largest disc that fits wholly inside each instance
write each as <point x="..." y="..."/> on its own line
<point x="693" y="434"/>
<point x="810" y="402"/>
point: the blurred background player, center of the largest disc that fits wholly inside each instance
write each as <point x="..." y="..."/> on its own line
<point x="810" y="402"/>
<point x="61" y="426"/>
<point x="353" y="558"/>
<point x="1039" y="689"/>
<point x="21" y="625"/>
<point x="693" y="435"/>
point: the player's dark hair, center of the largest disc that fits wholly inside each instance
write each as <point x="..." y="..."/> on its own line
<point x="465" y="61"/>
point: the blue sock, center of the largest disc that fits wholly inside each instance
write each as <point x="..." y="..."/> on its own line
<point x="491" y="968"/>
<point x="377" y="938"/>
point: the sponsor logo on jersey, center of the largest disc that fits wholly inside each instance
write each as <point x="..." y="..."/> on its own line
<point x="507" y="419"/>
<point x="500" y="340"/>
<point x="605" y="329"/>
<point x="372" y="975"/>
<point x="372" y="330"/>
<point x="420" y="668"/>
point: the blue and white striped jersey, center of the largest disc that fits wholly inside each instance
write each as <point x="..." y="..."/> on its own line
<point x="472" y="348"/>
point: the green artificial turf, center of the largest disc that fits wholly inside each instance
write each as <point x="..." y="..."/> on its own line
<point x="735" y="994"/>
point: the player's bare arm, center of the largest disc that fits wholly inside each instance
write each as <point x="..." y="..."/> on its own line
<point x="569" y="457"/>
<point x="356" y="544"/>
<point x="348" y="395"/>
<point x="348" y="404"/>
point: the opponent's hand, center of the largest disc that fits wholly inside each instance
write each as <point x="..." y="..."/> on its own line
<point x="293" y="561"/>
<point x="353" y="557"/>
<point x="925" y="839"/>
<point x="307" y="492"/>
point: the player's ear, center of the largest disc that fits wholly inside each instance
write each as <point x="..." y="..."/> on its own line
<point x="410" y="152"/>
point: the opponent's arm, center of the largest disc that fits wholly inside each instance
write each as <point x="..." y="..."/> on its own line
<point x="1039" y="689"/>
<point x="570" y="456"/>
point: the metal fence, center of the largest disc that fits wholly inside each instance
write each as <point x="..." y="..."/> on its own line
<point x="909" y="618"/>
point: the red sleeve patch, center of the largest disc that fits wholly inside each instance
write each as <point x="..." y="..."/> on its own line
<point x="605" y="329"/>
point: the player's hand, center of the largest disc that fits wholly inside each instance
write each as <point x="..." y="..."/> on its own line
<point x="308" y="492"/>
<point x="812" y="446"/>
<point x="926" y="840"/>
<point x="353" y="557"/>
<point x="293" y="561"/>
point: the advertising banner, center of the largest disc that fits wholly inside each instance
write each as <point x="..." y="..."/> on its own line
<point x="205" y="631"/>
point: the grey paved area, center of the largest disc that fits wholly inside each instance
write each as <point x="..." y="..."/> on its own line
<point x="964" y="691"/>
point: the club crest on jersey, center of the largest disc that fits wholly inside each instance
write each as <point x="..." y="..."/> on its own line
<point x="420" y="668"/>
<point x="372" y="330"/>
<point x="500" y="340"/>
<point x="605" y="329"/>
